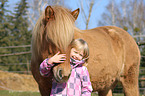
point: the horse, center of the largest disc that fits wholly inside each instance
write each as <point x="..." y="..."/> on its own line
<point x="114" y="54"/>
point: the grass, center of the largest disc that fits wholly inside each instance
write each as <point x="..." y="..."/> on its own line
<point x="15" y="93"/>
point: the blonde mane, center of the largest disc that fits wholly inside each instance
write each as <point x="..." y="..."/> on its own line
<point x="60" y="30"/>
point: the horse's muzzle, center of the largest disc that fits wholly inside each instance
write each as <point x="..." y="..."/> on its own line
<point x="59" y="75"/>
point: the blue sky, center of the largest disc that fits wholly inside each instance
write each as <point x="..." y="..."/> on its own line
<point x="97" y="11"/>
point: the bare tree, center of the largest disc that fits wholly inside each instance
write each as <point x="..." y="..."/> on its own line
<point x="87" y="14"/>
<point x="128" y="14"/>
<point x="38" y="6"/>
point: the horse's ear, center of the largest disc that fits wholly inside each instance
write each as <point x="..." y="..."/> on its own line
<point x="49" y="13"/>
<point x="75" y="13"/>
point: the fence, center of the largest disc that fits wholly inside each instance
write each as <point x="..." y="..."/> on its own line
<point x="118" y="88"/>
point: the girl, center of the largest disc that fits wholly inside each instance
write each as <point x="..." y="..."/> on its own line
<point x="79" y="82"/>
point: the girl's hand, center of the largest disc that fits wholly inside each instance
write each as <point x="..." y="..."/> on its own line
<point x="57" y="58"/>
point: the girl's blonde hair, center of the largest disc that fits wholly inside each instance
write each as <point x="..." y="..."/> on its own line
<point x="80" y="44"/>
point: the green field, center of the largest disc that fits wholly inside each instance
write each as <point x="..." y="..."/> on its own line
<point x="14" y="93"/>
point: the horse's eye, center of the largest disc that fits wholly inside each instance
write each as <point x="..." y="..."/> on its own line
<point x="47" y="18"/>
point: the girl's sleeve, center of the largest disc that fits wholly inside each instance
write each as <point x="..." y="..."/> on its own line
<point x="45" y="68"/>
<point x="86" y="83"/>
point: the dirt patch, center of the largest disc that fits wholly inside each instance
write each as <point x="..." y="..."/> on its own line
<point x="17" y="82"/>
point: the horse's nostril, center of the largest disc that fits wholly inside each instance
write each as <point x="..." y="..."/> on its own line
<point x="60" y="74"/>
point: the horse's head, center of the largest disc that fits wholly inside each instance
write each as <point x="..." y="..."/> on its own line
<point x="54" y="32"/>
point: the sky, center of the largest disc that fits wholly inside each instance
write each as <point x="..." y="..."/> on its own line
<point x="97" y="11"/>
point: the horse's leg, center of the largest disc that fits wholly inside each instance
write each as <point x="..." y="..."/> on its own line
<point x="105" y="93"/>
<point x="108" y="92"/>
<point x="44" y="91"/>
<point x="130" y="81"/>
<point x="45" y="84"/>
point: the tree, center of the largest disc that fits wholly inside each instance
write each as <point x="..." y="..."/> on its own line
<point x="87" y="16"/>
<point x="4" y="24"/>
<point x="38" y="7"/>
<point x="5" y="29"/>
<point x="20" y="34"/>
<point x="87" y="7"/>
<point x="129" y="15"/>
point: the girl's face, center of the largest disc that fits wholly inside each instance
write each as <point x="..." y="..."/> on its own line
<point x="75" y="54"/>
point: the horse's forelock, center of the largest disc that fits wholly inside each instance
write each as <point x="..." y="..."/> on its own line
<point x="60" y="30"/>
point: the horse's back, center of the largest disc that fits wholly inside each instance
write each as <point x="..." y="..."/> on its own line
<point x="111" y="50"/>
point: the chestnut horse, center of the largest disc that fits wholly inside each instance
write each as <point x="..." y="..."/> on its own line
<point x="114" y="54"/>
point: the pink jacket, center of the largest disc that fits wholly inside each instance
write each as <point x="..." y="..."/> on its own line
<point x="78" y="84"/>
